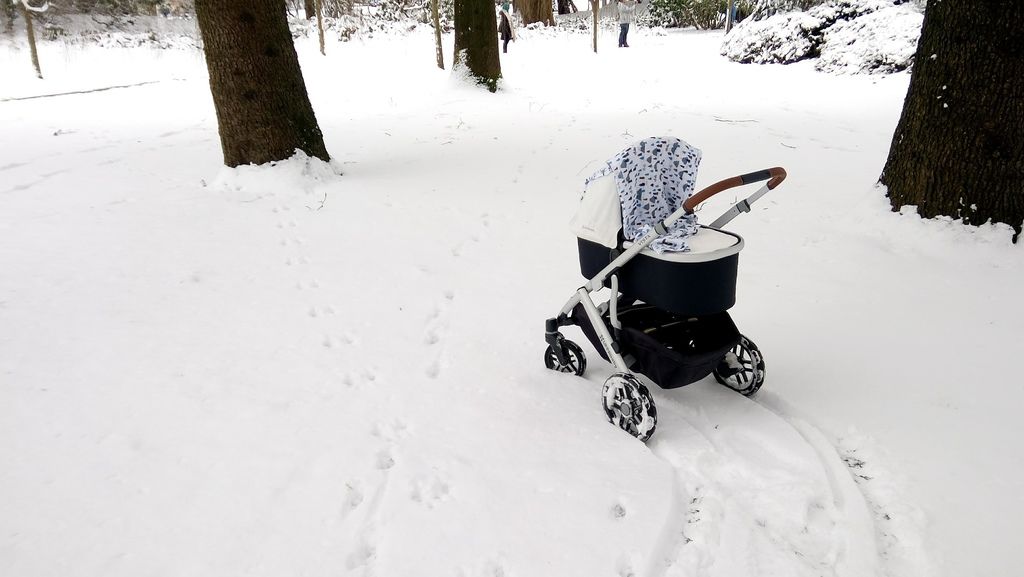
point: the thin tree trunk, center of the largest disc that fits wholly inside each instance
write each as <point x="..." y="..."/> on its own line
<point x="7" y="9"/>
<point x="476" y="41"/>
<point x="435" y="11"/>
<point x="310" y="8"/>
<point x="263" y="110"/>
<point x="320" y="24"/>
<point x="595" y="7"/>
<point x="958" y="149"/>
<point x="30" y="29"/>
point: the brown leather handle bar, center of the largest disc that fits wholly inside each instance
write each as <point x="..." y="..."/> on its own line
<point x="774" y="176"/>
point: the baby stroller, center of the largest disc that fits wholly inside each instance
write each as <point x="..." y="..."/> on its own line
<point x="666" y="316"/>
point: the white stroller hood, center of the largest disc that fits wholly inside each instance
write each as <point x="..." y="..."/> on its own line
<point x="599" y="216"/>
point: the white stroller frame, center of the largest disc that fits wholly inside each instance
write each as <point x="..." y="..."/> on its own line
<point x="561" y="352"/>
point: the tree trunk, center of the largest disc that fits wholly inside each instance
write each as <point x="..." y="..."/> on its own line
<point x="536" y="11"/>
<point x="7" y="9"/>
<point x="476" y="41"/>
<point x="263" y="110"/>
<point x="310" y="7"/>
<point x="435" y="14"/>
<point x="958" y="149"/>
<point x="595" y="8"/>
<point x="320" y="24"/>
<point x="31" y="31"/>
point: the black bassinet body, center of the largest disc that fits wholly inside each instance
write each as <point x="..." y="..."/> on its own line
<point x="697" y="283"/>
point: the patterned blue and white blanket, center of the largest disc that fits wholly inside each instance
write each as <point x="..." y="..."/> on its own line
<point x="654" y="177"/>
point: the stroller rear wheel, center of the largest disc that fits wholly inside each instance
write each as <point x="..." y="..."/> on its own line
<point x="742" y="368"/>
<point x="575" y="360"/>
<point x="629" y="405"/>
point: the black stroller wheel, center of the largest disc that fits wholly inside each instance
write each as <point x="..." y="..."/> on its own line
<point x="742" y="368"/>
<point x="576" y="361"/>
<point x="629" y="405"/>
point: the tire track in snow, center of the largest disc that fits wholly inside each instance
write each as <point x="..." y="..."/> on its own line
<point x="858" y="555"/>
<point x="712" y="508"/>
<point x="897" y="541"/>
<point x="685" y="530"/>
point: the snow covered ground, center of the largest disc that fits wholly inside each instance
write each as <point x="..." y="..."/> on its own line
<point x="280" y="371"/>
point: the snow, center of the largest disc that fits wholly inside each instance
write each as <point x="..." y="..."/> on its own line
<point x="842" y="36"/>
<point x="278" y="370"/>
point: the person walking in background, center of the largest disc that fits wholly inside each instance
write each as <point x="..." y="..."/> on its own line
<point x="626" y="9"/>
<point x="505" y="28"/>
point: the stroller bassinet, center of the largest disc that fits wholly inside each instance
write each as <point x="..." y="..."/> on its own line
<point x="698" y="282"/>
<point x="666" y="317"/>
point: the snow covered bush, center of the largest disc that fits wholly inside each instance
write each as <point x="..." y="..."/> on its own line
<point x="782" y="39"/>
<point x="883" y="41"/>
<point x="849" y="36"/>
<point x="701" y="14"/>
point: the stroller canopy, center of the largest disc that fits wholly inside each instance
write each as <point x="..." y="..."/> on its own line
<point x="642" y="185"/>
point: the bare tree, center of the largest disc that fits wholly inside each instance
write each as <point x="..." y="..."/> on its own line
<point x="263" y="110"/>
<point x="26" y="12"/>
<point x="7" y="11"/>
<point x="595" y="9"/>
<point x="958" y="149"/>
<point x="476" y="41"/>
<point x="435" y="14"/>
<point x="320" y="24"/>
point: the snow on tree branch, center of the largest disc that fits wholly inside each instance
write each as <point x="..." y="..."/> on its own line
<point x="30" y="7"/>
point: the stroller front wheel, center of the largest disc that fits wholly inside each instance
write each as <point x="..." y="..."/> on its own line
<point x="629" y="405"/>
<point x="742" y="368"/>
<point x="575" y="360"/>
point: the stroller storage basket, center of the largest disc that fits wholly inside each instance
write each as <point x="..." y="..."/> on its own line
<point x="669" y="349"/>
<point x="685" y="288"/>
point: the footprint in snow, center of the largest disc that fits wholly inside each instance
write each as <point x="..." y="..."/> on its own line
<point x="390" y="432"/>
<point x="385" y="460"/>
<point x="361" y="556"/>
<point x="625" y="567"/>
<point x="429" y="492"/>
<point x="433" y="370"/>
<point x="353" y="498"/>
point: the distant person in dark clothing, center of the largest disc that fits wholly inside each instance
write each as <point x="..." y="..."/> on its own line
<point x="505" y="28"/>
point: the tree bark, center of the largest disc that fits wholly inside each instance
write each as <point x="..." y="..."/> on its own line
<point x="7" y="9"/>
<point x="536" y="11"/>
<point x="263" y="110"/>
<point x="435" y="14"/>
<point x="476" y="41"/>
<point x="31" y="31"/>
<point x="310" y="8"/>
<point x="958" y="149"/>
<point x="320" y="24"/>
<point x="595" y="9"/>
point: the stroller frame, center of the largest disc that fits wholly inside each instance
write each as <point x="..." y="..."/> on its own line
<point x="629" y="405"/>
